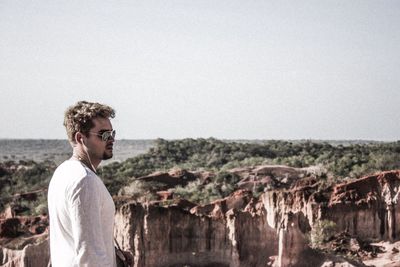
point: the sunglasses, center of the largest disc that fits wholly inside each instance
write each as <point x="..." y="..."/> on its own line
<point x="105" y="136"/>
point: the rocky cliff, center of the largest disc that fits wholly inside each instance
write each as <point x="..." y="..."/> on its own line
<point x="24" y="242"/>
<point x="172" y="236"/>
<point x="366" y="208"/>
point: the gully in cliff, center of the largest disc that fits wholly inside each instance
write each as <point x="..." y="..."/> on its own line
<point x="81" y="209"/>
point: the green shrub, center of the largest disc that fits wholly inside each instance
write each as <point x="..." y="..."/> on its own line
<point x="321" y="232"/>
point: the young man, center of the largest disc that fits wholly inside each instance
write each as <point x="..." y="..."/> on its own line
<point x="81" y="209"/>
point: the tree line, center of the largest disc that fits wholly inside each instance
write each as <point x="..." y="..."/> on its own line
<point x="339" y="162"/>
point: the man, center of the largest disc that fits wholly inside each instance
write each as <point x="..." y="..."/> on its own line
<point x="81" y="209"/>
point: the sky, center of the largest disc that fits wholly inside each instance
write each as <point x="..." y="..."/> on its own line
<point x="206" y="68"/>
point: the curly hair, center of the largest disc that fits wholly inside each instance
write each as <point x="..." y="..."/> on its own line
<point x="78" y="118"/>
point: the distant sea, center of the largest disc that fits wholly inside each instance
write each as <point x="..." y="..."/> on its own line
<point x="60" y="150"/>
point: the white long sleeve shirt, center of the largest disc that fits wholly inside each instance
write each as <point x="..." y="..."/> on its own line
<point x="81" y="215"/>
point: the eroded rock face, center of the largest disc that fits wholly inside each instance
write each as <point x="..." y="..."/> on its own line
<point x="242" y="231"/>
<point x="270" y="176"/>
<point x="367" y="207"/>
<point x="24" y="242"/>
<point x="238" y="200"/>
<point x="35" y="252"/>
<point x="239" y="230"/>
<point x="368" y="203"/>
<point x="160" y="236"/>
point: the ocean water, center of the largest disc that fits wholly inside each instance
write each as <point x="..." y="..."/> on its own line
<point x="60" y="150"/>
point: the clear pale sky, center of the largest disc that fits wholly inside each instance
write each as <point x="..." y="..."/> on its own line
<point x="224" y="69"/>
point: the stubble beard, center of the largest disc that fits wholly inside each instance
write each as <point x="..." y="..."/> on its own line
<point x="107" y="156"/>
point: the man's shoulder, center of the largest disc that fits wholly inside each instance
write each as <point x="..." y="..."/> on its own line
<point x="71" y="168"/>
<point x="69" y="174"/>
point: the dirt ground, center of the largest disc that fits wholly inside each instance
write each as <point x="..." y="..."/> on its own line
<point x="389" y="258"/>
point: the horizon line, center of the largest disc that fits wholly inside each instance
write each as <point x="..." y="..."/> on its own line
<point x="222" y="139"/>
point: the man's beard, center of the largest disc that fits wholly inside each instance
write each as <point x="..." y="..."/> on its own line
<point x="107" y="156"/>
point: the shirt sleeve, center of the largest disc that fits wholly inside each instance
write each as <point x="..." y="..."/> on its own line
<point x="85" y="209"/>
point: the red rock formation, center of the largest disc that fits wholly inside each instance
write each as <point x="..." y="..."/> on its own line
<point x="270" y="176"/>
<point x="367" y="207"/>
<point x="237" y="200"/>
<point x="164" y="195"/>
<point x="24" y="242"/>
<point x="239" y="230"/>
<point x="35" y="252"/>
<point x="159" y="236"/>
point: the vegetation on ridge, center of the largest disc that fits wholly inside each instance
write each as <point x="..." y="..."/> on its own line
<point x="338" y="162"/>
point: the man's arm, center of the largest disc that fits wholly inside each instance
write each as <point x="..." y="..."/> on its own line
<point x="85" y="210"/>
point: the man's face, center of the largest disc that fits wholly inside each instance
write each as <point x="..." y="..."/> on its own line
<point x="97" y="148"/>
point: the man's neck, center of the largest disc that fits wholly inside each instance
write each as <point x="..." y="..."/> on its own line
<point x="80" y="154"/>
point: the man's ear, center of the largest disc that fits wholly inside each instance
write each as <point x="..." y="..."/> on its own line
<point x="79" y="138"/>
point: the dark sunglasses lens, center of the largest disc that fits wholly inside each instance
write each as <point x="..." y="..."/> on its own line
<point x="106" y="135"/>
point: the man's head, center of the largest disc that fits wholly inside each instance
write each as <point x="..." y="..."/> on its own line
<point x="88" y="126"/>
